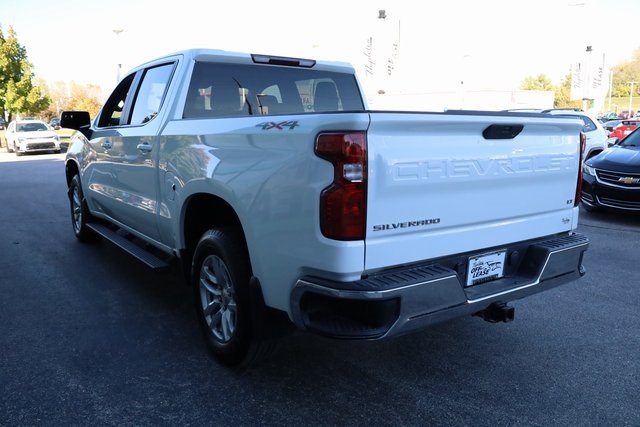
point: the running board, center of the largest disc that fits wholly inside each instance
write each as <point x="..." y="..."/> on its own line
<point x="128" y="246"/>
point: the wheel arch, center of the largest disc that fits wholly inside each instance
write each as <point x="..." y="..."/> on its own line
<point x="200" y="213"/>
<point x="593" y="153"/>
<point x="70" y="170"/>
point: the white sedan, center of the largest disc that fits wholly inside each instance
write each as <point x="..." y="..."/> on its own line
<point x="31" y="136"/>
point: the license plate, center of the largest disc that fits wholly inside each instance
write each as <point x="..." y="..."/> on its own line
<point x="484" y="268"/>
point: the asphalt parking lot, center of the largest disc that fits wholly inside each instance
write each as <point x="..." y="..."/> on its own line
<point x="89" y="336"/>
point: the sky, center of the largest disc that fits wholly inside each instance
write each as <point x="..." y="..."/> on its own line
<point x="489" y="44"/>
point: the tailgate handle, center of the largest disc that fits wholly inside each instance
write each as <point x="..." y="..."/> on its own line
<point x="500" y="131"/>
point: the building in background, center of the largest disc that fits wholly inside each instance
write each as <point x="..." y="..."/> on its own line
<point x="492" y="100"/>
<point x="393" y="80"/>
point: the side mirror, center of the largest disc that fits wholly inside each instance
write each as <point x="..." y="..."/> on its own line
<point x="78" y="120"/>
<point x="612" y="141"/>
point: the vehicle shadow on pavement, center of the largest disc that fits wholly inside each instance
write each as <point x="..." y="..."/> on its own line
<point x="605" y="218"/>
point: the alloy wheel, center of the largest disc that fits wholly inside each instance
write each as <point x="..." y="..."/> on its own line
<point x="217" y="297"/>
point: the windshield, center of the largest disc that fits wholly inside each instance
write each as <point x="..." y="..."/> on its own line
<point x="31" y="127"/>
<point x="632" y="140"/>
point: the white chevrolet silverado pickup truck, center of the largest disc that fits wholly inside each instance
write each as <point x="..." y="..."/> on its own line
<point x="288" y="202"/>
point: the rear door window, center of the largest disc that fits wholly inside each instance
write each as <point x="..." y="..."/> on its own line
<point x="588" y="124"/>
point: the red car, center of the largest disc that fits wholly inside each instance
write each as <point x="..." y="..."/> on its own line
<point x="624" y="128"/>
<point x="625" y="114"/>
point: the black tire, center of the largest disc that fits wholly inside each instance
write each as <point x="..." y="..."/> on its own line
<point x="220" y="277"/>
<point x="80" y="215"/>
<point x="9" y="149"/>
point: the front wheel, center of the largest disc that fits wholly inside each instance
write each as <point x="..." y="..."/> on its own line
<point x="80" y="215"/>
<point x="220" y="278"/>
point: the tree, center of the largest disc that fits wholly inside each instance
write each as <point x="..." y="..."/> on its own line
<point x="85" y="98"/>
<point x="562" y="97"/>
<point x="71" y="96"/>
<point x="59" y="94"/>
<point x="623" y="74"/>
<point x="17" y="91"/>
<point x="540" y="82"/>
<point x="562" y="93"/>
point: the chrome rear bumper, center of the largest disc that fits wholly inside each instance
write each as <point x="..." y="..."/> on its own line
<point x="414" y="297"/>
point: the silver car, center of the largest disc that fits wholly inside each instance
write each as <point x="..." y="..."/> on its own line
<point x="596" y="135"/>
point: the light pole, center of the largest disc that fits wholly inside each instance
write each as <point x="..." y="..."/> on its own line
<point x="463" y="69"/>
<point x="381" y="30"/>
<point x="630" y="97"/>
<point x="610" y="89"/>
<point x="117" y="32"/>
<point x="586" y="94"/>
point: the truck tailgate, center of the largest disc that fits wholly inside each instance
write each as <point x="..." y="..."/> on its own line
<point x="438" y="186"/>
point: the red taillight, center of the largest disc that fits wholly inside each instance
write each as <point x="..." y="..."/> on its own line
<point x="583" y="146"/>
<point x="343" y="204"/>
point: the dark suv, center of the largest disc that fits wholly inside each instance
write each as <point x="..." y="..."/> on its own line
<point x="3" y="123"/>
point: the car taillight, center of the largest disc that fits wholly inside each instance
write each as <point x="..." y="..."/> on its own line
<point x="343" y="204"/>
<point x="583" y="145"/>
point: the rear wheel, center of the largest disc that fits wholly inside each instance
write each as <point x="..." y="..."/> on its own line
<point x="220" y="279"/>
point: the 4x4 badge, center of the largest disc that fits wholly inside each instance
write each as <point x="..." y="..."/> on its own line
<point x="291" y="124"/>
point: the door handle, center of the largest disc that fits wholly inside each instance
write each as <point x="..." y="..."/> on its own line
<point x="144" y="148"/>
<point x="107" y="145"/>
